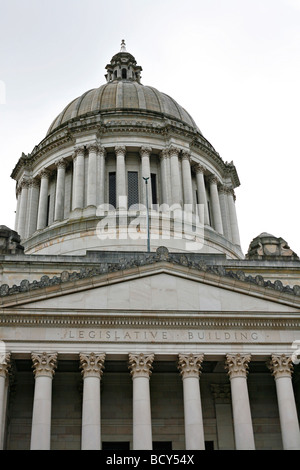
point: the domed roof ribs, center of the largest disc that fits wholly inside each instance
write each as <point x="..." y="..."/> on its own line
<point x="79" y="101"/>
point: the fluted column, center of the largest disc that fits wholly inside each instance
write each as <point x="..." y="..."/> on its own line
<point x="145" y="153"/>
<point x="233" y="218"/>
<point x="282" y="368"/>
<point x="33" y="205"/>
<point x="190" y="368"/>
<point x="101" y="156"/>
<point x="175" y="176"/>
<point x="237" y="366"/>
<point x="43" y="200"/>
<point x="187" y="181"/>
<point x="78" y="178"/>
<point x="216" y="211"/>
<point x="165" y="183"/>
<point x="92" y="175"/>
<point x="5" y="366"/>
<point x="92" y="369"/>
<point x="60" y="190"/>
<point x="223" y="191"/>
<point x="44" y="367"/>
<point x="121" y="192"/>
<point x="140" y="366"/>
<point x="23" y="208"/>
<point x="202" y="199"/>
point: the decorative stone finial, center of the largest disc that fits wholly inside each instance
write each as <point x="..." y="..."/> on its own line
<point x="266" y="246"/>
<point x="123" y="46"/>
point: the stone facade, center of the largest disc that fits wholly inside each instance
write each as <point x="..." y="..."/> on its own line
<point x="117" y="343"/>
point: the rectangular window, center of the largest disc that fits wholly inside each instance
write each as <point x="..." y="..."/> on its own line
<point x="48" y="211"/>
<point x="112" y="188"/>
<point x="133" y="188"/>
<point x="153" y="188"/>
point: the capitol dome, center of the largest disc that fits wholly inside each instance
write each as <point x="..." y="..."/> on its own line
<point x="125" y="147"/>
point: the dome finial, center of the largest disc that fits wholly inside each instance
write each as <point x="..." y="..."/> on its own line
<point x="123" y="46"/>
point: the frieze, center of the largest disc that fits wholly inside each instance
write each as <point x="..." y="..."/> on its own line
<point x="144" y="259"/>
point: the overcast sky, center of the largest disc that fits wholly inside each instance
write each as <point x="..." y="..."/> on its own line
<point x="233" y="64"/>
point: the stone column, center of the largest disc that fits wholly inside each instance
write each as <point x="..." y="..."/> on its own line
<point x="101" y="156"/>
<point x="202" y="199"/>
<point x="5" y="366"/>
<point x="165" y="183"/>
<point x="237" y="366"/>
<point x="78" y="178"/>
<point x="43" y="200"/>
<point x="187" y="181"/>
<point x="223" y="409"/>
<point x="121" y="192"/>
<point x="44" y="367"/>
<point x="223" y="191"/>
<point x="216" y="211"/>
<point x="175" y="176"/>
<point x="18" y="194"/>
<point x="92" y="369"/>
<point x="33" y="204"/>
<point x="141" y="365"/>
<point x="145" y="153"/>
<point x="23" y="208"/>
<point x="282" y="368"/>
<point x="233" y="218"/>
<point x="190" y="367"/>
<point x="92" y="175"/>
<point x="60" y="190"/>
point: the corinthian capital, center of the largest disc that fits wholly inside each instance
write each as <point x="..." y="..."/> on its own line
<point x="145" y="151"/>
<point x="61" y="163"/>
<point x="120" y="150"/>
<point x="44" y="173"/>
<point x="213" y="179"/>
<point x="173" y="151"/>
<point x="237" y="365"/>
<point x="44" y="364"/>
<point x="5" y="364"/>
<point x="199" y="168"/>
<point x="79" y="150"/>
<point x="140" y="365"/>
<point x="190" y="364"/>
<point x="186" y="155"/>
<point x="92" y="364"/>
<point x="281" y="366"/>
<point x="93" y="147"/>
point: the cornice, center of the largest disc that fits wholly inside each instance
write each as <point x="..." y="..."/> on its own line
<point x="160" y="261"/>
<point x="161" y="320"/>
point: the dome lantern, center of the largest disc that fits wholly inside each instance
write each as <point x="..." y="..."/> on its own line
<point x="123" y="66"/>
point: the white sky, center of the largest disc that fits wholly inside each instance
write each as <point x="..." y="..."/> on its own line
<point x="233" y="64"/>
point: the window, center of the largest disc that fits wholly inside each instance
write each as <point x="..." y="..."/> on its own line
<point x="124" y="74"/>
<point x="133" y="188"/>
<point x="153" y="188"/>
<point x="48" y="211"/>
<point x="112" y="188"/>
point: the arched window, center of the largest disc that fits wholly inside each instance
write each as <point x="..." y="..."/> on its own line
<point x="124" y="73"/>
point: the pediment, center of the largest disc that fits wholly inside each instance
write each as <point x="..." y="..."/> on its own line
<point x="161" y="286"/>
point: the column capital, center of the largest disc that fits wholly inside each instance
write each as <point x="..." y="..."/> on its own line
<point x="44" y="173"/>
<point x="281" y="366"/>
<point x="173" y="150"/>
<point x="120" y="150"/>
<point x="92" y="364"/>
<point x="140" y="364"/>
<point x="61" y="163"/>
<point x="223" y="189"/>
<point x="237" y="364"/>
<point x="93" y="147"/>
<point x="164" y="153"/>
<point x="33" y="182"/>
<point x="24" y="183"/>
<point x="78" y="151"/>
<point x="101" y="150"/>
<point x="145" y="151"/>
<point x="186" y="155"/>
<point x="212" y="179"/>
<point x="5" y="364"/>
<point x="190" y="365"/>
<point x="44" y="364"/>
<point x="198" y="168"/>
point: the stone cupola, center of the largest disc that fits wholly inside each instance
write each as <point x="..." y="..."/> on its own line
<point x="123" y="66"/>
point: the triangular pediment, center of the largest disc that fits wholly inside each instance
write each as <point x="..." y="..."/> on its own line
<point x="156" y="287"/>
